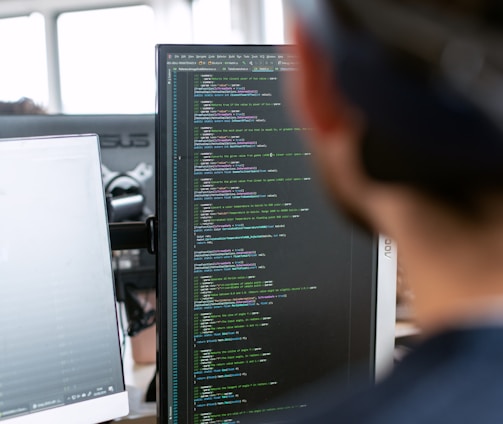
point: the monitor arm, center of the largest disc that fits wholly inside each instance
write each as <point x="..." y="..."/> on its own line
<point x="133" y="235"/>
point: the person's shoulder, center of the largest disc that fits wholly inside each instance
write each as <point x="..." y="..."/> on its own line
<point x="454" y="377"/>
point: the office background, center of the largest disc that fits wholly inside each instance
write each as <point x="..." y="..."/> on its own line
<point x="80" y="56"/>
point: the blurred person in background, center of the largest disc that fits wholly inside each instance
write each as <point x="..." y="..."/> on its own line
<point x="23" y="106"/>
<point x="405" y="102"/>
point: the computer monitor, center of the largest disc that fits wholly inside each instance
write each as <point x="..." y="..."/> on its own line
<point x="264" y="289"/>
<point x="60" y="358"/>
<point x="126" y="142"/>
<point x="127" y="154"/>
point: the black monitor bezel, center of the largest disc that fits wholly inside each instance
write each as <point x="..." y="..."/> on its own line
<point x="385" y="254"/>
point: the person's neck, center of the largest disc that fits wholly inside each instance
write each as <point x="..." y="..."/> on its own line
<point x="455" y="272"/>
<point x="452" y="309"/>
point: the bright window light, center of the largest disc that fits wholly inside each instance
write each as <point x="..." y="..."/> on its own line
<point x="24" y="68"/>
<point x="212" y="21"/>
<point x="107" y="60"/>
<point x="274" y="22"/>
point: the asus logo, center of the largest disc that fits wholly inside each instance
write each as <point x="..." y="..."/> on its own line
<point x="108" y="141"/>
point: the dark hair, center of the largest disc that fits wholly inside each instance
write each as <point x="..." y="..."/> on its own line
<point x="490" y="12"/>
<point x="422" y="72"/>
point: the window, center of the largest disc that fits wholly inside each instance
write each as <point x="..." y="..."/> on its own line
<point x="107" y="60"/>
<point x="274" y="27"/>
<point x="102" y="60"/>
<point x="212" y="22"/>
<point x="24" y="69"/>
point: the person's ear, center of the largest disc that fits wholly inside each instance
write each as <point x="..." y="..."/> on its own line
<point x="316" y="99"/>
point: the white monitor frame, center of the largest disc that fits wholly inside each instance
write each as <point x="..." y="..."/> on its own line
<point x="56" y="272"/>
<point x="385" y="306"/>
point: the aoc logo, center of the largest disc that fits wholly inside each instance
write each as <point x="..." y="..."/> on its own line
<point x="133" y="140"/>
<point x="388" y="247"/>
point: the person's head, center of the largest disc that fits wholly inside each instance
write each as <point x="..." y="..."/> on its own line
<point x="405" y="102"/>
<point x="418" y="84"/>
<point x="23" y="106"/>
